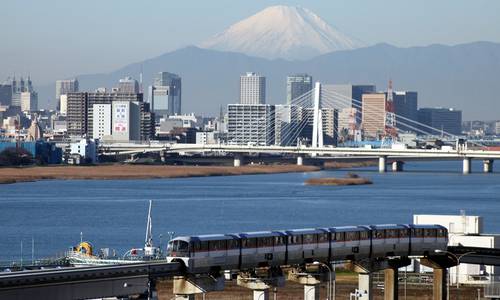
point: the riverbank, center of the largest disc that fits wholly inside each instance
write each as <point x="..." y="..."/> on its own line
<point x="103" y="172"/>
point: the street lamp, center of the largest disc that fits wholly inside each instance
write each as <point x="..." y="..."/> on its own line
<point x="457" y="258"/>
<point x="329" y="291"/>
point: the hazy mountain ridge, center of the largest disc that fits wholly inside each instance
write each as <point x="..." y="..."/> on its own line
<point x="464" y="76"/>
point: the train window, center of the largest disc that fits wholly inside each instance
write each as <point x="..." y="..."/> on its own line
<point x="279" y="241"/>
<point x="265" y="242"/>
<point x="441" y="232"/>
<point x="233" y="244"/>
<point x="417" y="232"/>
<point x="391" y="233"/>
<point x="323" y="238"/>
<point x="249" y="243"/>
<point x="217" y="245"/>
<point x="309" y="238"/>
<point x="182" y="246"/>
<point x="403" y="233"/>
<point x="352" y="236"/>
<point x="363" y="235"/>
<point x="195" y="246"/>
<point x="339" y="236"/>
<point x="429" y="233"/>
<point x="294" y="239"/>
<point x="379" y="234"/>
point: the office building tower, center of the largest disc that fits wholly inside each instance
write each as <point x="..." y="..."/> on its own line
<point x="5" y="94"/>
<point x="18" y="87"/>
<point x="126" y="121"/>
<point x="373" y="115"/>
<point x="286" y="124"/>
<point x="102" y="120"/>
<point x="250" y="124"/>
<point x="165" y="95"/>
<point x="406" y="108"/>
<point x="252" y="89"/>
<point x="444" y="120"/>
<point x="66" y="86"/>
<point x="128" y="85"/>
<point x="29" y="101"/>
<point x="296" y="86"/>
<point x="76" y="116"/>
<point x="349" y="110"/>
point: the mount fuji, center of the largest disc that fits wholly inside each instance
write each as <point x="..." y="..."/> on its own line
<point x="287" y="32"/>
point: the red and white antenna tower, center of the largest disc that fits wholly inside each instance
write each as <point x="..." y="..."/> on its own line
<point x="390" y="116"/>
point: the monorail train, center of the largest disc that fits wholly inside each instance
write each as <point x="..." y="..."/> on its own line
<point x="241" y="251"/>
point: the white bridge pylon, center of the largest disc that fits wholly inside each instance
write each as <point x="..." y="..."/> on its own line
<point x="317" y="132"/>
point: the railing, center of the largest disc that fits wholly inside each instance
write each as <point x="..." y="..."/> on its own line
<point x="492" y="290"/>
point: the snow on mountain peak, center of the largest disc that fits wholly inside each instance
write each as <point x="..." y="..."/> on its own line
<point x="288" y="32"/>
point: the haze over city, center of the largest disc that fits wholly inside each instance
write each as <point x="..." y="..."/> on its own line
<point x="250" y="149"/>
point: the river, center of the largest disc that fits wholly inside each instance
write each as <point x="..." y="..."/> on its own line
<point x="112" y="213"/>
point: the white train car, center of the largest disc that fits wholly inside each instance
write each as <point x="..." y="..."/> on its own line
<point x="261" y="249"/>
<point x="427" y="238"/>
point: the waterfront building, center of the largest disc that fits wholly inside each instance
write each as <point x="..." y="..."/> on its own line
<point x="250" y="124"/>
<point x="349" y="110"/>
<point x="252" y="89"/>
<point x="126" y="121"/>
<point x="297" y="85"/>
<point x="206" y="137"/>
<point x="165" y="95"/>
<point x="406" y="106"/>
<point x="128" y="85"/>
<point x="5" y="94"/>
<point x="85" y="150"/>
<point x="373" y="114"/>
<point x="64" y="87"/>
<point x="445" y="120"/>
<point x="29" y="101"/>
<point x="102" y="120"/>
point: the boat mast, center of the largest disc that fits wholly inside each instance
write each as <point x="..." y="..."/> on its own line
<point x="149" y="228"/>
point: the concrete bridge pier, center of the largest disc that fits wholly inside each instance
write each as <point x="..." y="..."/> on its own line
<point x="467" y="165"/>
<point x="238" y="160"/>
<point x="311" y="282"/>
<point x="186" y="287"/>
<point x="440" y="264"/>
<point x="260" y="285"/>
<point x="488" y="165"/>
<point x="300" y="160"/>
<point x="397" y="166"/>
<point x="365" y="286"/>
<point x="382" y="164"/>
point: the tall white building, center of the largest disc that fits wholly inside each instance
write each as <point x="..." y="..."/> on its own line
<point x="29" y="101"/>
<point x="126" y="120"/>
<point x="63" y="105"/>
<point x="102" y="120"/>
<point x="252" y="89"/>
<point x="250" y="124"/>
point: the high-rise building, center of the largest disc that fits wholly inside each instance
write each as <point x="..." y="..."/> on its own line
<point x="102" y="120"/>
<point x="406" y="106"/>
<point x="252" y="89"/>
<point x="165" y="95"/>
<point x="286" y="124"/>
<point x="126" y="121"/>
<point x="29" y="101"/>
<point x="18" y="87"/>
<point x="444" y="120"/>
<point x="5" y="94"/>
<point x="297" y="85"/>
<point x="128" y="85"/>
<point x="250" y="124"/>
<point x="64" y="87"/>
<point x="374" y="114"/>
<point x="349" y="110"/>
<point x="80" y="115"/>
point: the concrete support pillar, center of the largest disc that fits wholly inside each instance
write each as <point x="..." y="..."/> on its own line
<point x="365" y="286"/>
<point x="238" y="160"/>
<point x="186" y="287"/>
<point x="397" y="166"/>
<point x="467" y="165"/>
<point x="311" y="292"/>
<point x="488" y="165"/>
<point x="391" y="284"/>
<point x="382" y="166"/>
<point x="300" y="160"/>
<point x="261" y="294"/>
<point x="439" y="288"/>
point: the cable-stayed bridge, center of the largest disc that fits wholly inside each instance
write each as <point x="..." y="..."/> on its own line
<point x="306" y="119"/>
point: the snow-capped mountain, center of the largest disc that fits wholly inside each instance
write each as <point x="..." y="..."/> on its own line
<point x="282" y="32"/>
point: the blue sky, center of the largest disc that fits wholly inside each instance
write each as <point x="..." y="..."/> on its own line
<point x="58" y="39"/>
